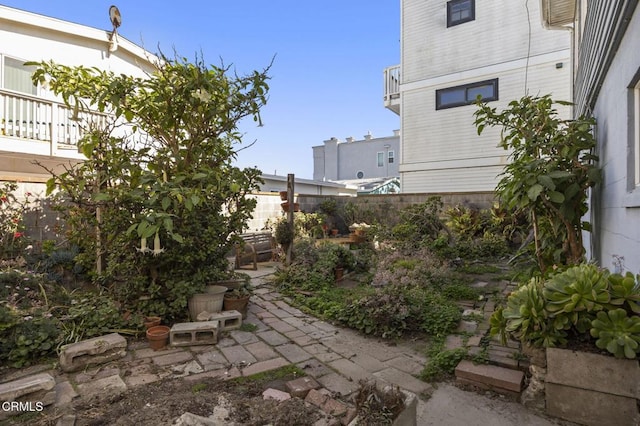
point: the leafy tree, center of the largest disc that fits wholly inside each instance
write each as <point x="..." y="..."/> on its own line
<point x="551" y="167"/>
<point x="158" y="189"/>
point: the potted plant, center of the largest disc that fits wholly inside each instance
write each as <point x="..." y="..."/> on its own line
<point x="237" y="299"/>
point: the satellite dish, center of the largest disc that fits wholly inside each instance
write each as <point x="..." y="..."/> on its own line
<point x="116" y="18"/>
<point x="116" y="21"/>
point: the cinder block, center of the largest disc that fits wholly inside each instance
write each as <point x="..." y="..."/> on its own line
<point x="229" y="320"/>
<point x="491" y="375"/>
<point x="194" y="333"/>
<point x="92" y="351"/>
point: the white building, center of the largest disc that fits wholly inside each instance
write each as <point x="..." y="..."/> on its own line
<point x="606" y="51"/>
<point x="367" y="158"/>
<point x="34" y="125"/>
<point x="451" y="52"/>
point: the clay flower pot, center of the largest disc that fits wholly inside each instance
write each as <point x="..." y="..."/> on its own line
<point x="240" y="304"/>
<point x="151" y="322"/>
<point x="158" y="337"/>
<point x="283" y="195"/>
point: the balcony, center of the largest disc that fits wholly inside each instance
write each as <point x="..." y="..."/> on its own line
<point x="392" y="88"/>
<point x="32" y="127"/>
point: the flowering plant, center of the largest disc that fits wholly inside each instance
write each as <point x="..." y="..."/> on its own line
<point x="12" y="227"/>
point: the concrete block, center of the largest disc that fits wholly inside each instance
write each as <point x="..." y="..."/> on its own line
<point x="94" y="351"/>
<point x="301" y="386"/>
<point x="229" y="320"/>
<point x="593" y="372"/>
<point x="491" y="375"/>
<point x="194" y="333"/>
<point x="12" y="391"/>
<point x="591" y="408"/>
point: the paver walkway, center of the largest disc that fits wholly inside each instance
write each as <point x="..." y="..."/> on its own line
<point x="336" y="357"/>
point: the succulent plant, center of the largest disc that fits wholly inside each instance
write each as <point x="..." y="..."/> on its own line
<point x="625" y="291"/>
<point x="581" y="288"/>
<point x="617" y="333"/>
<point x="527" y="319"/>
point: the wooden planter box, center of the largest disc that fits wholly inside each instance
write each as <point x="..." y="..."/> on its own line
<point x="592" y="389"/>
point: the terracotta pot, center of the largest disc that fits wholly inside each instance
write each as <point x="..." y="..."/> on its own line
<point x="151" y="322"/>
<point x="285" y="207"/>
<point x="334" y="232"/>
<point x="339" y="272"/>
<point x="240" y="304"/>
<point x="283" y="195"/>
<point x="158" y="337"/>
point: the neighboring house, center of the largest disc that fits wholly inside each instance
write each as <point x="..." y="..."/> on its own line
<point x="34" y="125"/>
<point x="356" y="160"/>
<point x="451" y="52"/>
<point x="275" y="183"/>
<point x="606" y="80"/>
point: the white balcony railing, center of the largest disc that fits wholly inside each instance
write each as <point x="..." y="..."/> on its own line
<point x="392" y="88"/>
<point x="37" y="119"/>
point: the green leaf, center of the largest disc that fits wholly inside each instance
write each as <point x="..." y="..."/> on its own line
<point x="166" y="202"/>
<point x="556" y="197"/>
<point x="534" y="192"/>
<point x="547" y="182"/>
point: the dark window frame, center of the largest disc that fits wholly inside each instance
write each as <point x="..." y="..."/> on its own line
<point x="466" y="88"/>
<point x="453" y="22"/>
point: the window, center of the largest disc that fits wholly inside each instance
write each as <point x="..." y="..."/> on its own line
<point x="391" y="157"/>
<point x="18" y="77"/>
<point x="380" y="159"/>
<point x="460" y="11"/>
<point x="467" y="94"/>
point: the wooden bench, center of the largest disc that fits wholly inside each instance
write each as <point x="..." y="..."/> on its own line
<point x="253" y="246"/>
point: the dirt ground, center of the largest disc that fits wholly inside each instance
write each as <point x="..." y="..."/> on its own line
<point x="163" y="402"/>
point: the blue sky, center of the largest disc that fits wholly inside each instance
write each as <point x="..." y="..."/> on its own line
<point x="326" y="78"/>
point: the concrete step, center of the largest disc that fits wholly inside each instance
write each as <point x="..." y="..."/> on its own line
<point x="499" y="379"/>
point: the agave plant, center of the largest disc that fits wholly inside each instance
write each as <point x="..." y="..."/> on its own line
<point x="625" y="291"/>
<point x="617" y="333"/>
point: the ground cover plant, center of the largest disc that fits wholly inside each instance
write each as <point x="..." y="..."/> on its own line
<point x="408" y="285"/>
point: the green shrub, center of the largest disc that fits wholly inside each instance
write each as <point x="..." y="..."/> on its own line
<point x="442" y="364"/>
<point x="30" y="340"/>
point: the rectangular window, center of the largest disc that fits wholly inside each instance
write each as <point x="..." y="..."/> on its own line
<point x="460" y="11"/>
<point x="380" y="159"/>
<point x="467" y="94"/>
<point x="391" y="157"/>
<point x="18" y="77"/>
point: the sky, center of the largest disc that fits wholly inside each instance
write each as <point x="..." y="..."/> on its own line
<point x="326" y="79"/>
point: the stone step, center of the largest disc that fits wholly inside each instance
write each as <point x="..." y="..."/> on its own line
<point x="499" y="379"/>
<point x="194" y="333"/>
<point x="94" y="351"/>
